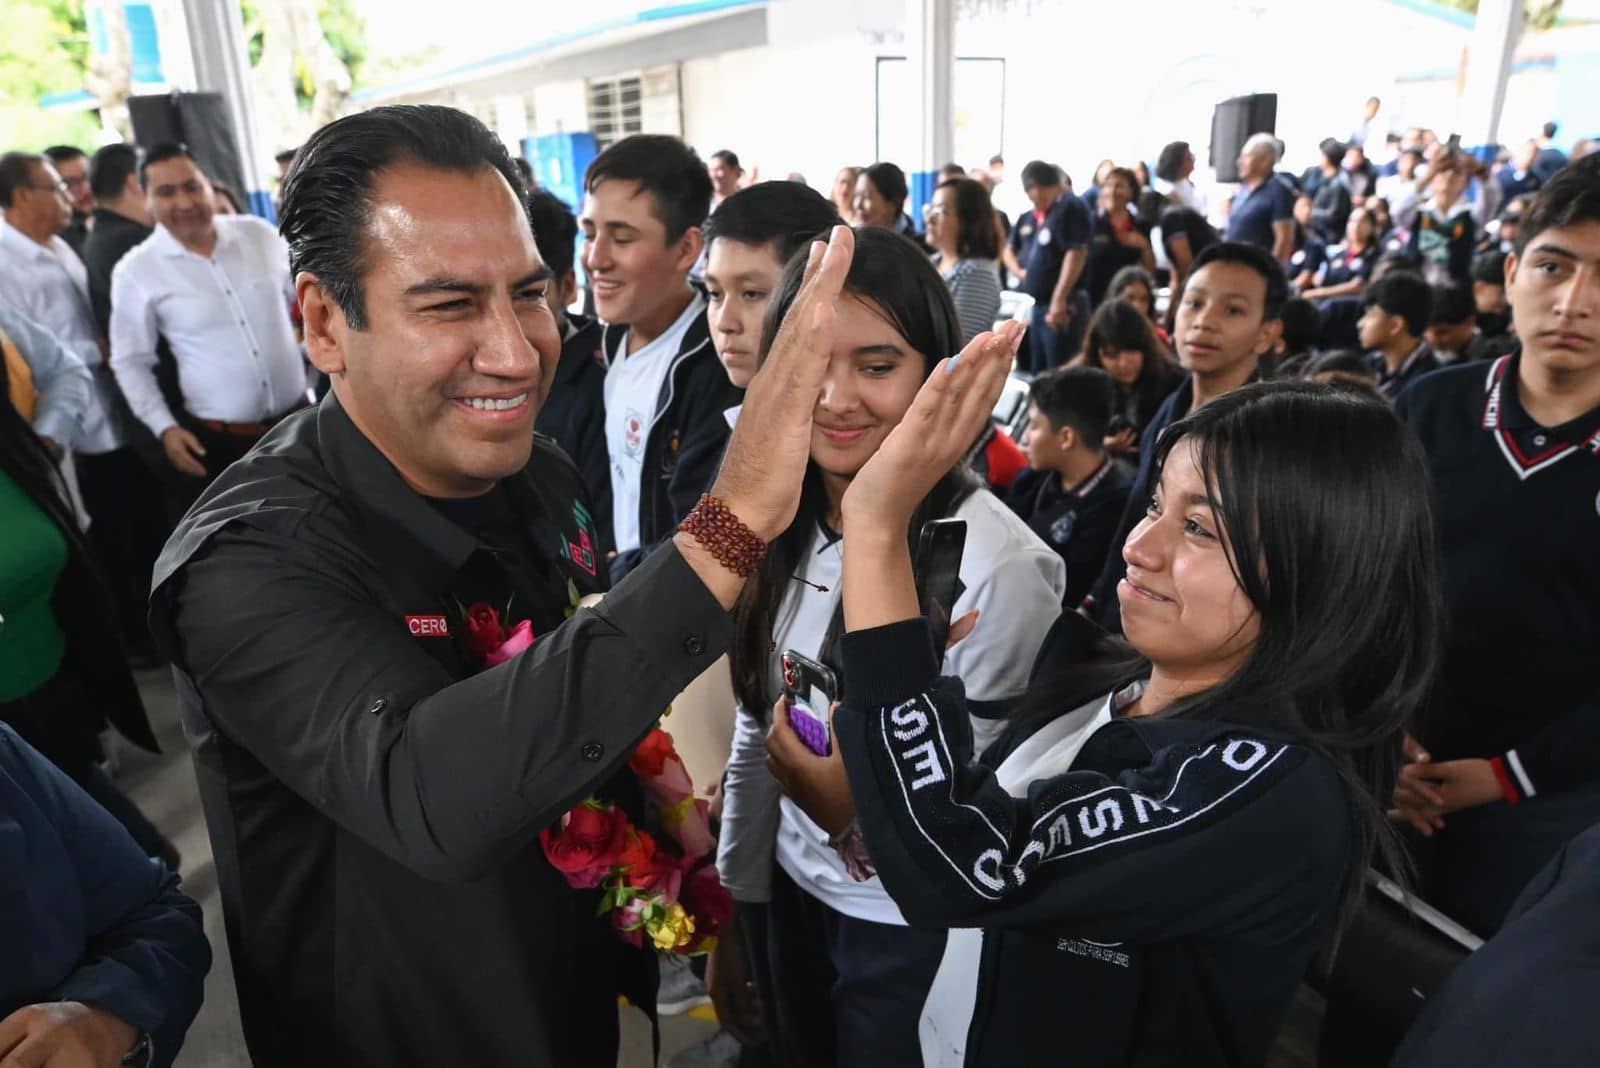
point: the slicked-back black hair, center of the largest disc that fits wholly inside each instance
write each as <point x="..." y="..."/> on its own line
<point x="785" y="215"/>
<point x="669" y="170"/>
<point x="327" y="194"/>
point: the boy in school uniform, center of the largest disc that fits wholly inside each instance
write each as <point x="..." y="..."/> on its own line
<point x="1395" y="312"/>
<point x="1073" y="492"/>
<point x="1505" y="766"/>
<point x="644" y="200"/>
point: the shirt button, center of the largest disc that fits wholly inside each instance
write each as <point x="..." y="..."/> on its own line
<point x="693" y="645"/>
<point x="1539" y="439"/>
<point x="593" y="751"/>
<point x="379" y="705"/>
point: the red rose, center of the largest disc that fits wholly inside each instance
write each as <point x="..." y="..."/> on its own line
<point x="707" y="900"/>
<point x="484" y="633"/>
<point x="650" y="759"/>
<point x="639" y="851"/>
<point x="585" y="847"/>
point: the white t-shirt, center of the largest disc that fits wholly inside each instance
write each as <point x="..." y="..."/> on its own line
<point x="1050" y="751"/>
<point x="1016" y="583"/>
<point x="632" y="390"/>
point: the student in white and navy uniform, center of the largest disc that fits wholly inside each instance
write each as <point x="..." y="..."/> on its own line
<point x="644" y="200"/>
<point x="842" y="979"/>
<point x="1141" y="870"/>
<point x="1513" y="728"/>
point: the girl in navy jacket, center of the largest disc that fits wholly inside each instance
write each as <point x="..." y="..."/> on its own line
<point x="1150" y="857"/>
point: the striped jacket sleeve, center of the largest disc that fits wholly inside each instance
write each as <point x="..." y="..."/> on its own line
<point x="1190" y="838"/>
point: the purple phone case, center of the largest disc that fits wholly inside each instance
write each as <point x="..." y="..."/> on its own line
<point x="812" y="731"/>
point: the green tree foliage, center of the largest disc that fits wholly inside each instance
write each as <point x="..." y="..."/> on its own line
<point x="44" y="49"/>
<point x="341" y="23"/>
<point x="1537" y="14"/>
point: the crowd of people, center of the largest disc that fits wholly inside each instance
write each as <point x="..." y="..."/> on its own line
<point x="1283" y="574"/>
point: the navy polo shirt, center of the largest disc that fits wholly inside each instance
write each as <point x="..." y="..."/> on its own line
<point x="1255" y="210"/>
<point x="1340" y="264"/>
<point x="1308" y="257"/>
<point x="1041" y="246"/>
<point x="1519" y="531"/>
<point x="1391" y="383"/>
<point x="1190" y="224"/>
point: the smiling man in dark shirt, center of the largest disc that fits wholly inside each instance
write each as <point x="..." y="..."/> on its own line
<point x="373" y="790"/>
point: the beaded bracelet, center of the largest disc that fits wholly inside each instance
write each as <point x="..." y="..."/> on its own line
<point x="723" y="535"/>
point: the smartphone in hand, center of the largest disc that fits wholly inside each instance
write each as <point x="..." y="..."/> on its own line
<point x="938" y="571"/>
<point x="811" y="690"/>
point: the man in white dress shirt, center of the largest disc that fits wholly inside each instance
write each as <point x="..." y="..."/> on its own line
<point x="217" y="288"/>
<point x="43" y="279"/>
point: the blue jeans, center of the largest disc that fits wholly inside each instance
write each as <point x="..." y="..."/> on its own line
<point x="1049" y="347"/>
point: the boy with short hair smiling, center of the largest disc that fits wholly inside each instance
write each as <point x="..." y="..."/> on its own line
<point x="1395" y="312"/>
<point x="1230" y="316"/>
<point x="644" y="200"/>
<point x="1073" y="493"/>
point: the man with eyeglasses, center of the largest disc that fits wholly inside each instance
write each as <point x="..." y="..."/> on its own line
<point x="72" y="164"/>
<point x="42" y="279"/>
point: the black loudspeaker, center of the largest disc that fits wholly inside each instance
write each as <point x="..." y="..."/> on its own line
<point x="199" y="120"/>
<point x="1233" y="123"/>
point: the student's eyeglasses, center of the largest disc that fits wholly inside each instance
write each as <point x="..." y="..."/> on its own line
<point x="53" y="187"/>
<point x="931" y="211"/>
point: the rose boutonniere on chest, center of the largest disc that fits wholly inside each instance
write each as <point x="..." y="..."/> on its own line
<point x="490" y="642"/>
<point x="659" y="879"/>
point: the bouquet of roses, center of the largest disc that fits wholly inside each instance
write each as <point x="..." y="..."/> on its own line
<point x="662" y="886"/>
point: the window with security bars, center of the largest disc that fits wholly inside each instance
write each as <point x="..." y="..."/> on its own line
<point x="615" y="108"/>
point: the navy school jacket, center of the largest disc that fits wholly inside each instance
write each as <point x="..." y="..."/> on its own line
<point x="1156" y="904"/>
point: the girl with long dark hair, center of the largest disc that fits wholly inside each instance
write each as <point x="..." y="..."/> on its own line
<point x="1144" y="867"/>
<point x="63" y="672"/>
<point x="842" y="979"/>
<point x="1124" y="343"/>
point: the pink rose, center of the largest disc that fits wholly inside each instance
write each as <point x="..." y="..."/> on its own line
<point x="520" y="638"/>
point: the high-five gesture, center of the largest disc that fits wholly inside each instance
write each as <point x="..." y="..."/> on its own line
<point x="766" y="461"/>
<point x="950" y="411"/>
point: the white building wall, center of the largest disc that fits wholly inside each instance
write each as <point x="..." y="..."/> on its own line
<point x="560" y="107"/>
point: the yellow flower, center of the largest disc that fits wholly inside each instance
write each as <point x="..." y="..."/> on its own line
<point x="673" y="929"/>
